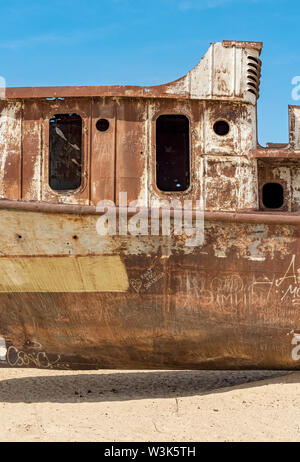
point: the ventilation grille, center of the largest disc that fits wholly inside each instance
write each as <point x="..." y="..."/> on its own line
<point x="253" y="75"/>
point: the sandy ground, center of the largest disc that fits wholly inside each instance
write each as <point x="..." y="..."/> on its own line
<point x="47" y="405"/>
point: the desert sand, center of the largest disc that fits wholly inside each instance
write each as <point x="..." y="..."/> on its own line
<point x="43" y="405"/>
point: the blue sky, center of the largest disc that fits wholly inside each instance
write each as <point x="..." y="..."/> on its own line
<point x="140" y="42"/>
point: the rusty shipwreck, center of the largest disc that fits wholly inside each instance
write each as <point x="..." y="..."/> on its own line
<point x="70" y="298"/>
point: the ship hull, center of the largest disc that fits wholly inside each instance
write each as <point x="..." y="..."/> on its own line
<point x="72" y="299"/>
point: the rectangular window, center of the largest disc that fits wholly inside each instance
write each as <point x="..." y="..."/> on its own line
<point x="172" y="153"/>
<point x="65" y="152"/>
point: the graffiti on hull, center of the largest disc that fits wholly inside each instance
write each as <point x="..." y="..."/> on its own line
<point x="239" y="293"/>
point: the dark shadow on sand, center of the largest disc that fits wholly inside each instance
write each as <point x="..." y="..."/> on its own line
<point x="126" y="386"/>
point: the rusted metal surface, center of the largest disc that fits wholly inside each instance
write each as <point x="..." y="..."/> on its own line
<point x="228" y="303"/>
<point x="221" y="74"/>
<point x="103" y="147"/>
<point x="70" y="298"/>
<point x="241" y="44"/>
<point x="232" y="217"/>
<point x="294" y="118"/>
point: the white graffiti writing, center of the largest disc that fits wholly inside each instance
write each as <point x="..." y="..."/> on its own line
<point x="146" y="280"/>
<point x="17" y="358"/>
<point x="292" y="275"/>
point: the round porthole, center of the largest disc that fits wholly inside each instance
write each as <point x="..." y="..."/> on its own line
<point x="102" y="125"/>
<point x="221" y="127"/>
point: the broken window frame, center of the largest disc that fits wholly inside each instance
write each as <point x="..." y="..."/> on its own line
<point x="81" y="159"/>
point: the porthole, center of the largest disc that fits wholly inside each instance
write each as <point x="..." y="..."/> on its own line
<point x="102" y="125"/>
<point x="221" y="127"/>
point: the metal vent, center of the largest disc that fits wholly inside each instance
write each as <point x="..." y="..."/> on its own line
<point x="253" y="75"/>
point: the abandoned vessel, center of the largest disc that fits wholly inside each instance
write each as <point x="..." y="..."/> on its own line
<point x="71" y="297"/>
